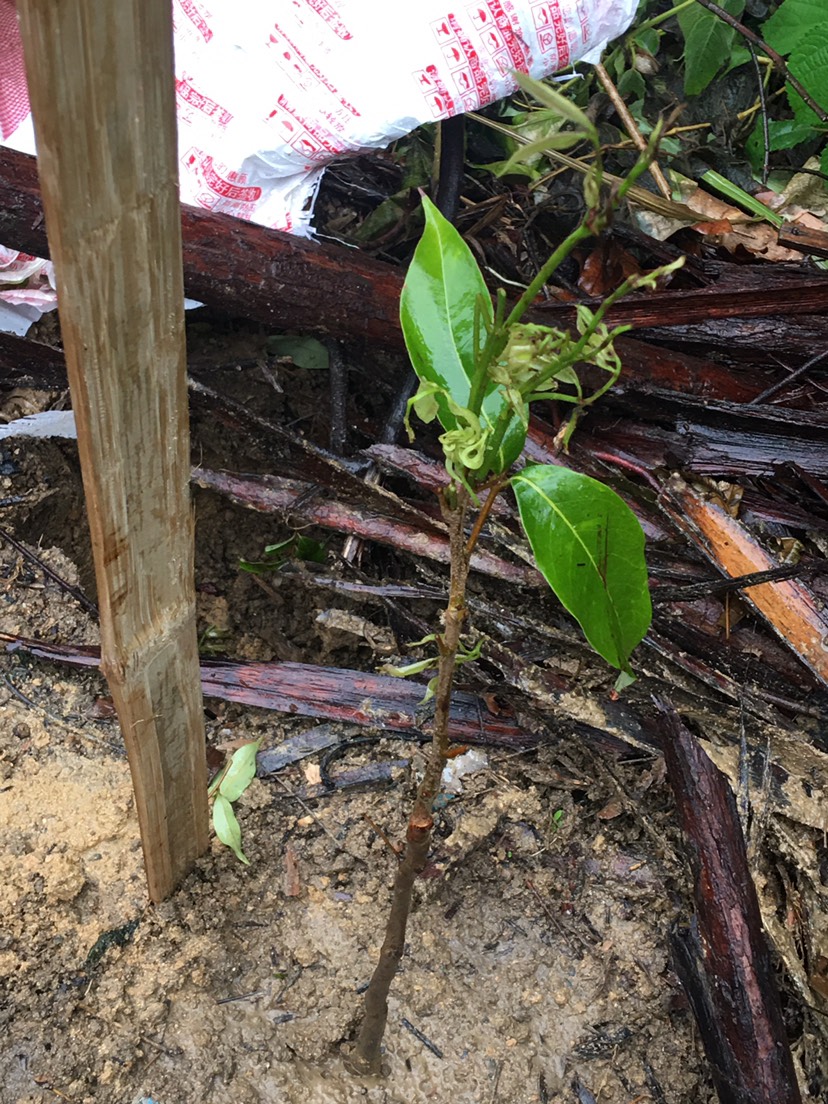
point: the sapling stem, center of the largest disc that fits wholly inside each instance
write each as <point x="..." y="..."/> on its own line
<point x="366" y="1055"/>
<point x="483" y="385"/>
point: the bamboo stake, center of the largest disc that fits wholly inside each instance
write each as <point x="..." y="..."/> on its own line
<point x="101" y="88"/>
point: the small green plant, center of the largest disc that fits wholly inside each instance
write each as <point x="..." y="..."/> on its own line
<point x="479" y="368"/>
<point x="295" y="547"/>
<point x="227" y="787"/>
<point x="796" y="30"/>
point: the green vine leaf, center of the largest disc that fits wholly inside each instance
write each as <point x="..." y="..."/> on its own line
<point x="589" y="547"/>
<point x="708" y="42"/>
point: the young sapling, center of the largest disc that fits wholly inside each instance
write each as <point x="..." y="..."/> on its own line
<point x="227" y="787"/>
<point x="479" y="370"/>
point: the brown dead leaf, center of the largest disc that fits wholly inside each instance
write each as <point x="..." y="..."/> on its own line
<point x="714" y="229"/>
<point x="733" y="228"/>
<point x="606" y="266"/>
<point x="611" y="810"/>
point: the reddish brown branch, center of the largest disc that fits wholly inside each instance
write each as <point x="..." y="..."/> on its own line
<point x="724" y="961"/>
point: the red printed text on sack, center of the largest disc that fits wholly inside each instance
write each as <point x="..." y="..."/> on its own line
<point x="551" y="26"/>
<point x="490" y="38"/>
<point x="201" y="102"/>
<point x="305" y="68"/>
<point x="473" y="59"/>
<point x="192" y="12"/>
<point x="583" y="17"/>
<point x="434" y="92"/>
<point x="226" y="188"/>
<point x="329" y="13"/>
<point x="303" y="134"/>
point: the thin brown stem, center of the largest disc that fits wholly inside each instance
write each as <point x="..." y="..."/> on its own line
<point x="366" y="1057"/>
<point x="631" y="126"/>
<point x="495" y="488"/>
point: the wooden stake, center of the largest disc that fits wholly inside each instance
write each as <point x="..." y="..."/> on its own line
<point x="101" y="88"/>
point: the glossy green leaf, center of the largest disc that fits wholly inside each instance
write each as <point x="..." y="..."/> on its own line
<point x="227" y="827"/>
<point x="241" y="772"/>
<point x="513" y="440"/>
<point x="442" y="290"/>
<point x="590" y="548"/>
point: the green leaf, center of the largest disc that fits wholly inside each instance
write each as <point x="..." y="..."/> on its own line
<point x="442" y="287"/>
<point x="793" y="23"/>
<point x="632" y="85"/>
<point x="740" y="197"/>
<point x="227" y="827"/>
<point x="809" y="64"/>
<point x="241" y="772"/>
<point x="708" y="42"/>
<point x="739" y="55"/>
<point x="783" y="134"/>
<point x="589" y="547"/>
<point x="563" y="140"/>
<point x="648" y="39"/>
<point x="508" y="168"/>
<point x="310" y="550"/>
<point x="384" y="218"/>
<point x="559" y="104"/>
<point x="513" y="440"/>
<point x="305" y="352"/>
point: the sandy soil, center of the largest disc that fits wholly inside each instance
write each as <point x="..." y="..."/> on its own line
<point x="537" y="966"/>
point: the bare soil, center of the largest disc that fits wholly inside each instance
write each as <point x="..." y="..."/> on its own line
<point x="537" y="967"/>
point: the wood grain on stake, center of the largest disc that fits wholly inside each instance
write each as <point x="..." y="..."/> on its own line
<point x="788" y="606"/>
<point x="101" y="88"/>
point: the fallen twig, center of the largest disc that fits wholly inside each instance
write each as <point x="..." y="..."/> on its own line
<point x="723" y="960"/>
<point x="788" y="606"/>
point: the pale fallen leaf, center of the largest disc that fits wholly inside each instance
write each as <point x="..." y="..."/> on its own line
<point x="313" y="776"/>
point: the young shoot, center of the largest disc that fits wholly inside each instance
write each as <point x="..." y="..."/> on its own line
<point x="227" y="787"/>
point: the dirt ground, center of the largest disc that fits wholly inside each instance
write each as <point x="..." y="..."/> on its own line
<point x="537" y="966"/>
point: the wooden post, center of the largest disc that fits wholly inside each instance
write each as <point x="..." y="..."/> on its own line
<point x="101" y="87"/>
